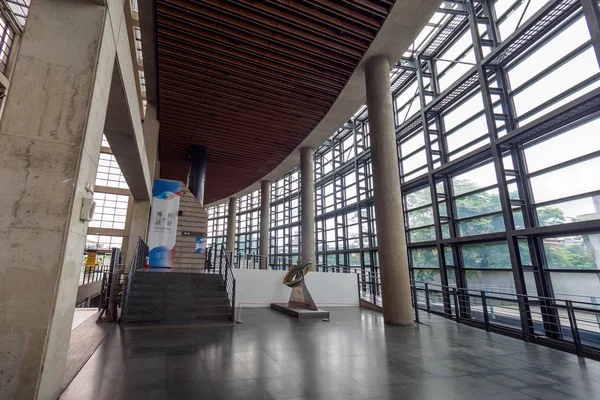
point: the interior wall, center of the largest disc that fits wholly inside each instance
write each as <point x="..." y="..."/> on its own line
<point x="193" y="218"/>
<point x="260" y="288"/>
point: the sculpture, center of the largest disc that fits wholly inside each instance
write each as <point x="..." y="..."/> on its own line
<point x="300" y="296"/>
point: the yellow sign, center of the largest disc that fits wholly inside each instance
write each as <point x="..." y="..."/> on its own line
<point x="90" y="260"/>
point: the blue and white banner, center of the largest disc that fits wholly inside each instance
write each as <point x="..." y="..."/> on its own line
<point x="162" y="232"/>
<point x="200" y="245"/>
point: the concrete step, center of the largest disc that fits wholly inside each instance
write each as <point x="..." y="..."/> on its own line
<point x="176" y="277"/>
<point x="142" y="309"/>
<point x="183" y="294"/>
<point x="157" y="319"/>
<point x="183" y="318"/>
<point x="219" y="300"/>
<point x="143" y="294"/>
<point x="177" y="298"/>
<point x="181" y="287"/>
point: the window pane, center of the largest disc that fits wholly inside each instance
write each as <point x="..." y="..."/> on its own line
<point x="424" y="258"/>
<point x="478" y="203"/>
<point x="573" y="252"/>
<point x="574" y="179"/>
<point x="420" y="217"/>
<point x="488" y="255"/>
<point x="418" y="198"/>
<point x="475" y="179"/>
<point x="567" y="146"/>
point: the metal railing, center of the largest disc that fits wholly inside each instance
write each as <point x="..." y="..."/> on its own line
<point x="92" y="274"/>
<point x="565" y="324"/>
<point x="218" y="261"/>
<point x="137" y="262"/>
<point x="342" y="269"/>
<point x="282" y="263"/>
<point x="249" y="261"/>
<point x="112" y="289"/>
<point x="369" y="287"/>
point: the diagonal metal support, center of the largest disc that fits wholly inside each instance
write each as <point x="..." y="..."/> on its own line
<point x="592" y="17"/>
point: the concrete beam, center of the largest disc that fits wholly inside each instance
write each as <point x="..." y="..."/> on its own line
<point x="123" y="130"/>
<point x="148" y="29"/>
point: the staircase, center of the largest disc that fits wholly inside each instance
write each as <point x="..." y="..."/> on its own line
<point x="177" y="298"/>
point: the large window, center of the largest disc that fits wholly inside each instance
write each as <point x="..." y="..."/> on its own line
<point x="489" y="183"/>
<point x="498" y="172"/>
<point x="109" y="174"/>
<point x="345" y="216"/>
<point x="284" y="236"/>
<point x="217" y="224"/>
<point x="248" y="223"/>
<point x="101" y="242"/>
<point x="110" y="211"/>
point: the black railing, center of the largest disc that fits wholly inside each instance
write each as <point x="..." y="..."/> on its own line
<point x="249" y="261"/>
<point x="566" y="324"/>
<point x="92" y="273"/>
<point x="369" y="287"/>
<point x="137" y="262"/>
<point x="111" y="290"/>
<point x="282" y="263"/>
<point x="218" y="261"/>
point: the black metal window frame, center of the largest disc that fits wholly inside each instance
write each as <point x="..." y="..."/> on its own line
<point x="248" y="224"/>
<point x="517" y="241"/>
<point x="455" y="117"/>
<point x="217" y="224"/>
<point x="284" y="229"/>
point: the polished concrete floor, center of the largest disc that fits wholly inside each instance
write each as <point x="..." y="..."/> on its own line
<point x="354" y="356"/>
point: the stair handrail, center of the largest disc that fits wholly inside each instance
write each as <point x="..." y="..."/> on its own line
<point x="137" y="262"/>
<point x="228" y="278"/>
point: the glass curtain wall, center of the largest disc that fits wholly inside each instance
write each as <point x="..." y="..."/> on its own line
<point x="345" y="216"/>
<point x="216" y="232"/>
<point x="284" y="240"/>
<point x="497" y="108"/>
<point x="248" y="223"/>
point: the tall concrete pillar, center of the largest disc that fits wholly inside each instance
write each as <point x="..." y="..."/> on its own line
<point x="265" y="218"/>
<point x="307" y="216"/>
<point x="140" y="210"/>
<point x="231" y="225"/>
<point x="391" y="238"/>
<point x="50" y="137"/>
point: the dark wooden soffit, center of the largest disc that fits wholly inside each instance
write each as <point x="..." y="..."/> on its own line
<point x="251" y="79"/>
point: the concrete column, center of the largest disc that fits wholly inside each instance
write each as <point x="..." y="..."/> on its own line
<point x="138" y="228"/>
<point x="265" y="218"/>
<point x="140" y="210"/>
<point x="50" y="136"/>
<point x="307" y="216"/>
<point x="391" y="238"/>
<point x="231" y="224"/>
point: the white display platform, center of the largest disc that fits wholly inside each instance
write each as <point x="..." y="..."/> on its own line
<point x="260" y="288"/>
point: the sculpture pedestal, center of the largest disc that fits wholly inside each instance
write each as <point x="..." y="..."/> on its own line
<point x="301" y="304"/>
<point x="300" y="312"/>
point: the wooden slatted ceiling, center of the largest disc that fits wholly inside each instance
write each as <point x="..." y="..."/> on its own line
<point x="251" y="79"/>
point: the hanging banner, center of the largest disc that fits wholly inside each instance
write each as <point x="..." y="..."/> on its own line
<point x="163" y="223"/>
<point x="200" y="244"/>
